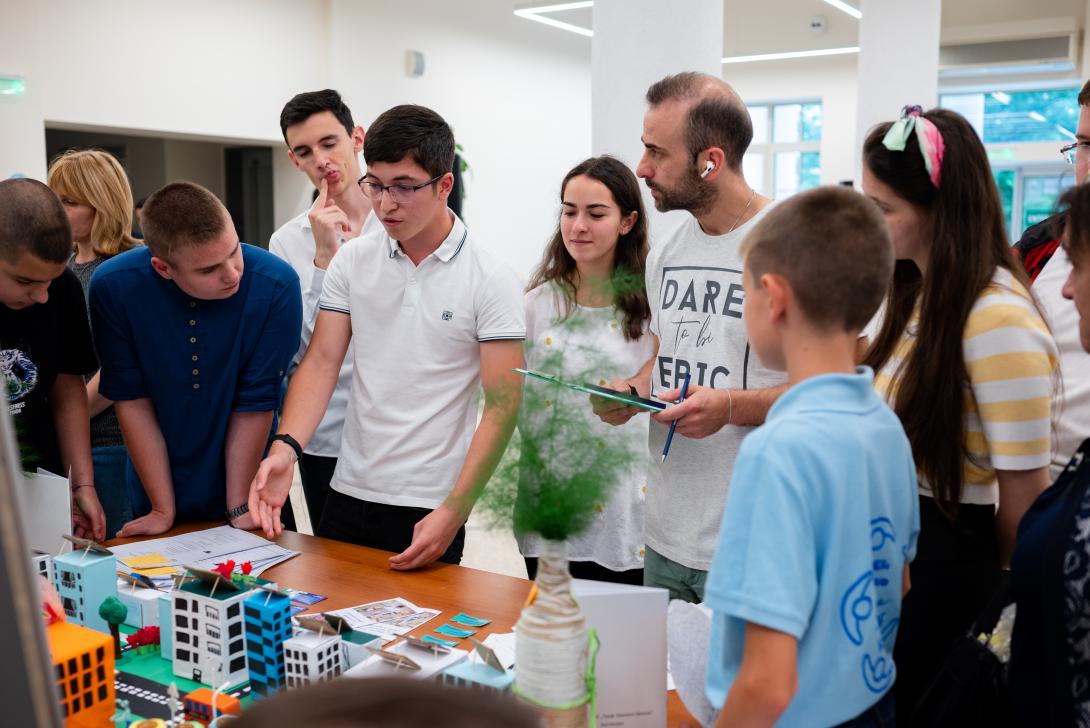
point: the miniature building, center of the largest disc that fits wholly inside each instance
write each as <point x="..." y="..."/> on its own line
<point x="198" y="705"/>
<point x="312" y="657"/>
<point x="84" y="579"/>
<point x="268" y="625"/>
<point x="83" y="662"/>
<point x="166" y="623"/>
<point x="207" y="641"/>
<point x="477" y="675"/>
<point x="486" y="672"/>
<point x="43" y="565"/>
<point x="354" y="647"/>
<point x="143" y="604"/>
<point x="353" y="644"/>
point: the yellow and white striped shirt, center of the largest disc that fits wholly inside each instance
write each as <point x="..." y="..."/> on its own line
<point x="1011" y="359"/>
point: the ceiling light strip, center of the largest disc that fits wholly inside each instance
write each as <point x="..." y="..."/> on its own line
<point x="791" y="54"/>
<point x="534" y="13"/>
<point x="846" y="8"/>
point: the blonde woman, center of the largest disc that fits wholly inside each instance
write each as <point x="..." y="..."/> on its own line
<point x="97" y="199"/>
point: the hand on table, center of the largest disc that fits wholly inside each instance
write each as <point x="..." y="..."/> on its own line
<point x="246" y="522"/>
<point x="432" y="536"/>
<point x="152" y="524"/>
<point x="88" y="520"/>
<point x="611" y="411"/>
<point x="270" y="488"/>
<point x="704" y="411"/>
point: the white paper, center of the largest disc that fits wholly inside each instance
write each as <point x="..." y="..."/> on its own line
<point x="47" y="511"/>
<point x="387" y="618"/>
<point x="205" y="549"/>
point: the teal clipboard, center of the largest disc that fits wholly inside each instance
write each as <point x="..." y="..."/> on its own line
<point x="604" y="392"/>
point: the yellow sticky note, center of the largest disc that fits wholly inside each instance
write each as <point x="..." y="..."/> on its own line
<point x="157" y="571"/>
<point x="145" y="561"/>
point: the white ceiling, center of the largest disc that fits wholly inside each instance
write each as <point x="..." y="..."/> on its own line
<point x="784" y="25"/>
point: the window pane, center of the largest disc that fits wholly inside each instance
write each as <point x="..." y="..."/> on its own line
<point x="786" y="122"/>
<point x="753" y="168"/>
<point x="809" y="170"/>
<point x="811" y="122"/>
<point x="1004" y="180"/>
<point x="971" y="106"/>
<point x="1040" y="192"/>
<point x="1019" y="116"/>
<point x="759" y="115"/>
<point x="787" y="174"/>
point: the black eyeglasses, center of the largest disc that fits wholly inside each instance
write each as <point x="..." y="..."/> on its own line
<point x="1070" y="151"/>
<point x="398" y="192"/>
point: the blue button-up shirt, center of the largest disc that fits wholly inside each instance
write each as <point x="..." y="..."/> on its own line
<point x="198" y="361"/>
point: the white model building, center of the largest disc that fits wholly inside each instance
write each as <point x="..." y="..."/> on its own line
<point x="43" y="565"/>
<point x="312" y="657"/>
<point x="207" y="632"/>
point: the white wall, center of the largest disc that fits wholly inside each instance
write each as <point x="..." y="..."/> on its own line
<point x="220" y="69"/>
<point x="23" y="148"/>
<point x="516" y="93"/>
<point x="831" y="79"/>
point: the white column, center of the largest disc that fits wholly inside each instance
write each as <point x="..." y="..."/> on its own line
<point x="638" y="42"/>
<point x="1086" y="42"/>
<point x="22" y="124"/>
<point x="898" y="60"/>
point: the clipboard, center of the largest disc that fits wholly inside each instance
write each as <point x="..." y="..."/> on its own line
<point x="604" y="392"/>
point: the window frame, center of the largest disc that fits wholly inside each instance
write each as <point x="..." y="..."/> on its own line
<point x="770" y="148"/>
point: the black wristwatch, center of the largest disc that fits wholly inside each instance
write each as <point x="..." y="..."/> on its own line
<point x="238" y="512"/>
<point x="292" y="443"/>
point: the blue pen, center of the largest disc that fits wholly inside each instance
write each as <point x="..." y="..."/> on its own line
<point x="673" y="425"/>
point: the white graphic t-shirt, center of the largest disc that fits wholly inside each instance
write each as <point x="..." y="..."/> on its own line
<point x="694" y="286"/>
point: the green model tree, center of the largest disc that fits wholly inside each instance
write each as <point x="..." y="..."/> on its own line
<point x="557" y="474"/>
<point x="114" y="612"/>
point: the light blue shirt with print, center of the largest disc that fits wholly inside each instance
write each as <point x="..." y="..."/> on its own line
<point x="821" y="518"/>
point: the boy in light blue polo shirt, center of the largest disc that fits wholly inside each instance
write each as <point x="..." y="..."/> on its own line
<point x="822" y="517"/>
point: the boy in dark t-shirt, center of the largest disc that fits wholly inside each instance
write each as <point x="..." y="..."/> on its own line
<point x="45" y="345"/>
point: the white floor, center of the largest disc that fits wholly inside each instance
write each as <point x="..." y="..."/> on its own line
<point x="486" y="549"/>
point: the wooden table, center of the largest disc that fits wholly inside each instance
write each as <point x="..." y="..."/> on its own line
<point x="349" y="575"/>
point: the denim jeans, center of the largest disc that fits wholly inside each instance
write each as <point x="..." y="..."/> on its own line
<point x="681" y="581"/>
<point x="109" y="462"/>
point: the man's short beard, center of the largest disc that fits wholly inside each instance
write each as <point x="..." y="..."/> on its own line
<point x="692" y="194"/>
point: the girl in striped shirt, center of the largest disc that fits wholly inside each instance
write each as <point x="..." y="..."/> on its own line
<point x="967" y="362"/>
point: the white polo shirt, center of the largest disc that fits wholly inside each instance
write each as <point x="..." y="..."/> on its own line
<point x="294" y="244"/>
<point x="417" y="332"/>
<point x="1072" y="423"/>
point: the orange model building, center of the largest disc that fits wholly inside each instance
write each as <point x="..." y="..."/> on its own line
<point x="83" y="661"/>
<point x="198" y="705"/>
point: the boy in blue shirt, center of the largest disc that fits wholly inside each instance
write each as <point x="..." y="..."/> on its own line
<point x="195" y="332"/>
<point x="822" y="517"/>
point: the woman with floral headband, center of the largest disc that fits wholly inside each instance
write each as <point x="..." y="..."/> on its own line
<point x="967" y="362"/>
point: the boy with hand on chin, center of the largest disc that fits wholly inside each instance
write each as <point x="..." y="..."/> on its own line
<point x="323" y="143"/>
<point x="822" y="515"/>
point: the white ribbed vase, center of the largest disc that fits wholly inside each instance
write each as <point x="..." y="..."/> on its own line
<point x="551" y="644"/>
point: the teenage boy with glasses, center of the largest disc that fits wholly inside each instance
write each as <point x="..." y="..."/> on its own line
<point x="434" y="318"/>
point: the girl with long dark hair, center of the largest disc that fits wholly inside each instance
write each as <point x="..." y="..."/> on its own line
<point x="587" y="310"/>
<point x="967" y="362"/>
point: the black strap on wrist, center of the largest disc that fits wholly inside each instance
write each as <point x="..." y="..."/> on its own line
<point x="292" y="443"/>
